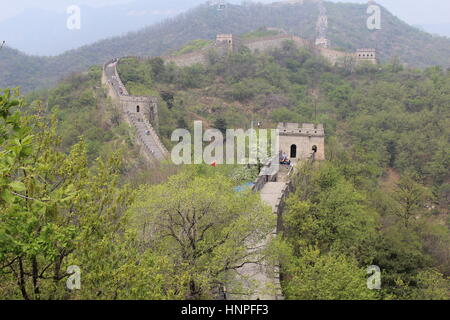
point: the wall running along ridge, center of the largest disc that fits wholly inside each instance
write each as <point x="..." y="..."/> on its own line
<point x="261" y="279"/>
<point x="334" y="57"/>
<point x="140" y="112"/>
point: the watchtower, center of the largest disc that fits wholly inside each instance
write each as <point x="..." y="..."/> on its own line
<point x="302" y="141"/>
<point x="369" y="55"/>
<point x="322" y="43"/>
<point x="225" y="39"/>
<point x="144" y="108"/>
<point x="322" y="26"/>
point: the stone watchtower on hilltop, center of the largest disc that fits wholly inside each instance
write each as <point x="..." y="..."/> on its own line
<point x="302" y="141"/>
<point x="369" y="55"/>
<point x="227" y="40"/>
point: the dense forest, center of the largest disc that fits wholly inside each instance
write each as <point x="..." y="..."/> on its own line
<point x="397" y="117"/>
<point x="61" y="209"/>
<point x="382" y="197"/>
<point x="347" y="31"/>
<point x="74" y="190"/>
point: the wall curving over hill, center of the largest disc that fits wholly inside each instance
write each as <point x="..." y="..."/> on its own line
<point x="137" y="111"/>
<point x="259" y="280"/>
<point x="347" y="30"/>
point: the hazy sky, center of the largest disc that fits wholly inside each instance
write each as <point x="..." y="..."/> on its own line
<point x="411" y="11"/>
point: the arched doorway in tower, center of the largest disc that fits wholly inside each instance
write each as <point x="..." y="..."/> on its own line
<point x="137" y="109"/>
<point x="293" y="151"/>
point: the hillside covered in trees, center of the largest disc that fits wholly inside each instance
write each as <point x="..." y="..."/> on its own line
<point x="74" y="192"/>
<point x="347" y="31"/>
<point x="383" y="195"/>
<point x="392" y="113"/>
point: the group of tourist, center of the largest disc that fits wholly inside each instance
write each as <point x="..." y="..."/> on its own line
<point x="284" y="159"/>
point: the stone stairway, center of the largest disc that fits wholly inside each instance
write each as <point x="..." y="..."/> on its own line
<point x="145" y="135"/>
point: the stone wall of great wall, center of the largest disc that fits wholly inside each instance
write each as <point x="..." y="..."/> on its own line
<point x="140" y="112"/>
<point x="262" y="279"/>
<point x="200" y="56"/>
<point x="274" y="181"/>
<point x="268" y="43"/>
<point x="274" y="185"/>
<point x="188" y="59"/>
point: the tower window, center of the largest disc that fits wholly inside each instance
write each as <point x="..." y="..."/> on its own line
<point x="137" y="109"/>
<point x="293" y="151"/>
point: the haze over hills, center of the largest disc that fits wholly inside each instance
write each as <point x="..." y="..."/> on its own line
<point x="89" y="191"/>
<point x="44" y="32"/>
<point x="40" y="27"/>
<point x="347" y="30"/>
<point x="440" y="28"/>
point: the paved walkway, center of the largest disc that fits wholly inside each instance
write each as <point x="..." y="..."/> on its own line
<point x="271" y="193"/>
<point x="263" y="282"/>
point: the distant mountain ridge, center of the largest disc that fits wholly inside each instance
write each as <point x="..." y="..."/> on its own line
<point x="438" y="29"/>
<point x="347" y="31"/>
<point x="42" y="32"/>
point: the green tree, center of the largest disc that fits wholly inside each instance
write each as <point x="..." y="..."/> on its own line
<point x="37" y="230"/>
<point x="57" y="212"/>
<point x="221" y="124"/>
<point x="157" y="66"/>
<point x="326" y="277"/>
<point x="204" y="226"/>
<point x="411" y="199"/>
<point x="328" y="212"/>
<point x="430" y="285"/>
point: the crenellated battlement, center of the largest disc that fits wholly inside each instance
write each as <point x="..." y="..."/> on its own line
<point x="366" y="55"/>
<point x="304" y="129"/>
<point x="137" y="99"/>
<point x="224" y="38"/>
